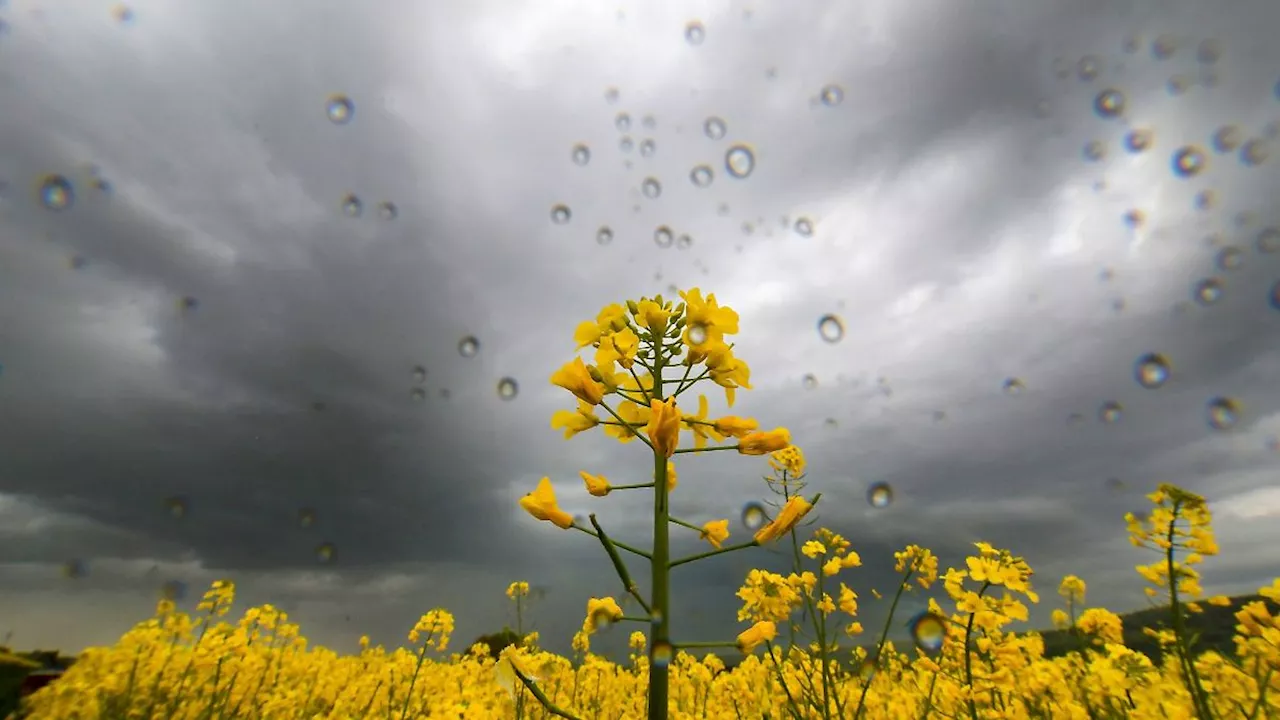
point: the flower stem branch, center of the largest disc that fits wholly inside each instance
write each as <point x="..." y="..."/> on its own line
<point x="711" y="553"/>
<point x="614" y="557"/>
<point x="618" y="417"/>
<point x="704" y="644"/>
<point x="682" y="523"/>
<point x="713" y="448"/>
<point x="620" y="546"/>
<point x="636" y="486"/>
<point x="542" y="697"/>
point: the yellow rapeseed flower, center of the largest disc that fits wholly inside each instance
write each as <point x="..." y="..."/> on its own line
<point x="664" y="426"/>
<point x="715" y="532"/>
<point x="756" y="635"/>
<point x="597" y="485"/>
<point x="575" y="378"/>
<point x="763" y="443"/>
<point x="790" y="514"/>
<point x="541" y="503"/>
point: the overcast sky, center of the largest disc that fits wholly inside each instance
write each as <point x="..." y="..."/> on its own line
<point x="203" y="317"/>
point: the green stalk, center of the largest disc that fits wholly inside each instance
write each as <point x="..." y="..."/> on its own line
<point x="884" y="633"/>
<point x="968" y="655"/>
<point x="660" y="601"/>
<point x="1179" y="629"/>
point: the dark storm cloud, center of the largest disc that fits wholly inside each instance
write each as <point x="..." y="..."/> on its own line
<point x="958" y="235"/>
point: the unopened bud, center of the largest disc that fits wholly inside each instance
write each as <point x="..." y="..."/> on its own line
<point x="595" y="373"/>
<point x="680" y="308"/>
<point x="659" y="299"/>
<point x="633" y="307"/>
<point x="618" y="324"/>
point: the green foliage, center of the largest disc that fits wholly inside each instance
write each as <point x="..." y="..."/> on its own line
<point x="497" y="642"/>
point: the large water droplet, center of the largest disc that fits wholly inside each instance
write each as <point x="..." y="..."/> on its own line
<point x="1222" y="413"/>
<point x="1255" y="152"/>
<point x="1109" y="103"/>
<point x="832" y="95"/>
<point x="352" y="206"/>
<point x="622" y="121"/>
<point x="468" y="346"/>
<point x="648" y="147"/>
<point x="581" y="154"/>
<point x="714" y="128"/>
<point x="560" y="214"/>
<point x="1152" y="370"/>
<point x="663" y="237"/>
<point x="604" y="235"/>
<point x="1140" y="140"/>
<point x="508" y="388"/>
<point x="1227" y="138"/>
<point x="1013" y="386"/>
<point x="1268" y="241"/>
<point x="694" y="32"/>
<point x="662" y="654"/>
<point x="830" y="328"/>
<point x="701" y="175"/>
<point x="651" y="188"/>
<point x="804" y="227"/>
<point x="880" y="495"/>
<point x="55" y="193"/>
<point x="1188" y="161"/>
<point x="928" y="631"/>
<point x="625" y="143"/>
<point x="753" y="516"/>
<point x="340" y="109"/>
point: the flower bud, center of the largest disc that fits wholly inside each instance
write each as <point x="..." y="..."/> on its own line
<point x="618" y="324"/>
<point x="658" y="299"/>
<point x="595" y="373"/>
<point x="633" y="307"/>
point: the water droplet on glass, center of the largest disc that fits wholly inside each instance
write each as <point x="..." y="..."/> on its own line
<point x="468" y="346"/>
<point x="581" y="154"/>
<point x="880" y="495"/>
<point x="1209" y="51"/>
<point x="1227" y="138"/>
<point x="694" y="32"/>
<point x="611" y="95"/>
<point x="684" y="242"/>
<point x="1152" y="370"/>
<point x="1255" y="152"/>
<point x="649" y="122"/>
<point x="75" y="569"/>
<point x="739" y="160"/>
<point x="1188" y="161"/>
<point x="55" y="193"/>
<point x="622" y="122"/>
<point x="1268" y="241"/>
<point x="1222" y="413"/>
<point x="174" y="591"/>
<point x="651" y="188"/>
<point x="1088" y="68"/>
<point x="1134" y="219"/>
<point x="419" y="374"/>
<point x="663" y="237"/>
<point x="1207" y="291"/>
<point x="928" y="631"/>
<point x="1013" y="386"/>
<point x="625" y="144"/>
<point x="662" y="654"/>
<point x="560" y="214"/>
<point x="1140" y="140"/>
<point x="1205" y="200"/>
<point x="753" y="516"/>
<point x="1163" y="47"/>
<point x="340" y="109"/>
<point x="601" y="619"/>
<point x="701" y="175"/>
<point x="188" y="303"/>
<point x="1111" y="412"/>
<point x="1094" y="150"/>
<point x="648" y="147"/>
<point x="810" y="381"/>
<point x="832" y="95"/>
<point x="1229" y="258"/>
<point x="804" y="227"/>
<point x="604" y="235"/>
<point x="352" y="206"/>
<point x="697" y="334"/>
<point x="714" y="128"/>
<point x="830" y="328"/>
<point x="325" y="552"/>
<point x="176" y="506"/>
<point x="1109" y="103"/>
<point x="387" y="210"/>
<point x="508" y="388"/>
<point x="418" y="394"/>
<point x="306" y="517"/>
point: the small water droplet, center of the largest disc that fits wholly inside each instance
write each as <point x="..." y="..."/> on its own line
<point x="1094" y="150"/>
<point x="697" y="334"/>
<point x="753" y="516"/>
<point x="176" y="506"/>
<point x="1188" y="161"/>
<point x="1109" y="103"/>
<point x="1152" y="370"/>
<point x="648" y="147"/>
<point x="508" y="388"/>
<point x="830" y="328"/>
<point x="1179" y="85"/>
<point x="810" y="381"/>
<point x="306" y="517"/>
<point x="1268" y="240"/>
<point x="1110" y="412"/>
<point x="701" y="175"/>
<point x="714" y="128"/>
<point x="684" y="242"/>
<point x="1088" y="68"/>
<point x="622" y="121"/>
<point x="739" y="161"/>
<point x="625" y="144"/>
<point x="832" y="95"/>
<point x="468" y="346"/>
<point x="55" y="193"/>
<point x="560" y="214"/>
<point x="1222" y="413"/>
<point x="352" y="206"/>
<point x="804" y="227"/>
<point x="1227" y="138"/>
<point x="188" y="303"/>
<point x="1013" y="386"/>
<point x="1163" y="47"/>
<point x="928" y="631"/>
<point x="1208" y="291"/>
<point x="663" y="237"/>
<point x="649" y="122"/>
<point x="662" y="654"/>
<point x="1209" y="51"/>
<point x="1205" y="200"/>
<point x="604" y="235"/>
<point x="387" y="210"/>
<point x="694" y="32"/>
<point x="340" y="109"/>
<point x="880" y="495"/>
<point x="651" y="188"/>
<point x="580" y="154"/>
<point x="1229" y="258"/>
<point x="418" y="394"/>
<point x="1255" y="152"/>
<point x="611" y="95"/>
<point x="1140" y="140"/>
<point x="325" y="552"/>
<point x="1135" y="219"/>
<point x="419" y="374"/>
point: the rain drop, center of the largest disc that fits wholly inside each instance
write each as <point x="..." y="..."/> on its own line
<point x="701" y="175"/>
<point x="867" y="669"/>
<point x="306" y="517"/>
<point x="611" y="95"/>
<point x="1140" y="140"/>
<point x="508" y="388"/>
<point x="419" y="374"/>
<point x="622" y="122"/>
<point x="662" y="654"/>
<point x="1152" y="370"/>
<point x="753" y="516"/>
<point x="468" y="346"/>
<point x="1275" y="296"/>
<point x="694" y="32"/>
<point x="739" y="160"/>
<point x="879" y="495"/>
<point x="663" y="237"/>
<point x="325" y="552"/>
<point x="804" y="227"/>
<point x="1163" y="47"/>
<point x="1109" y="103"/>
<point x="1013" y="386"/>
<point x="684" y="242"/>
<point x="810" y="381"/>
<point x="1209" y="51"/>
<point x="352" y="206"/>
<point x="832" y="95"/>
<point x="74" y="569"/>
<point x="56" y="193"/>
<point x="1255" y="152"/>
<point x="1088" y="68"/>
<point x="1229" y="258"/>
<point x="387" y="210"/>
<point x="581" y="154"/>
<point x="648" y="147"/>
<point x="1207" y="291"/>
<point x="560" y="214"/>
<point x="625" y="143"/>
<point x="1134" y="219"/>
<point x="604" y="235"/>
<point x="697" y="334"/>
<point x="174" y="590"/>
<point x="340" y="109"/>
<point x="928" y="631"/>
<point x="714" y="128"/>
<point x="1111" y="412"/>
<point x="651" y="188"/>
<point x="1222" y="413"/>
<point x="1094" y="150"/>
<point x="830" y="328"/>
<point x="1188" y="161"/>
<point x="418" y="394"/>
<point x="1268" y="241"/>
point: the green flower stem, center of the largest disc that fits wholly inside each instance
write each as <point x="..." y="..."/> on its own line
<point x="541" y="696"/>
<point x="704" y="644"/>
<point x="659" y="677"/>
<point x="1198" y="696"/>
<point x="711" y="553"/>
<point x="636" y="486"/>
<point x="610" y="547"/>
<point x="620" y="546"/>
<point x="640" y="385"/>
<point x="618" y="417"/>
<point x="713" y="448"/>
<point x="634" y="618"/>
<point x="968" y="653"/>
<point x="884" y="634"/>
<point x="682" y="523"/>
<point x="686" y="385"/>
